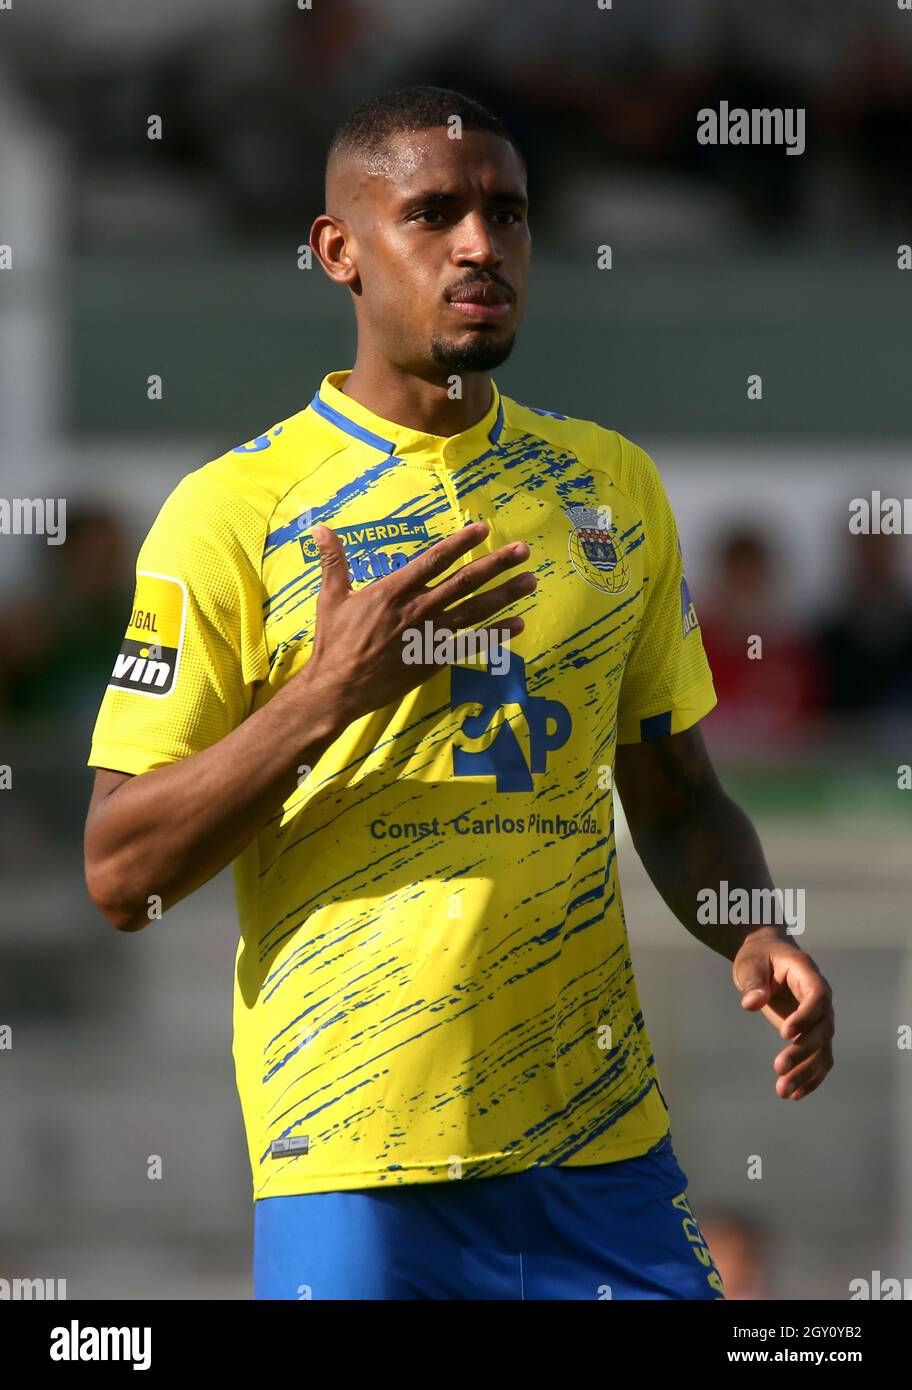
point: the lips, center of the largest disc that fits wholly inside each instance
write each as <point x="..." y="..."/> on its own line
<point x="481" y="303"/>
<point x="485" y="294"/>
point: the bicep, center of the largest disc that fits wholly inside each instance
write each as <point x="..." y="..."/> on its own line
<point x="663" y="778"/>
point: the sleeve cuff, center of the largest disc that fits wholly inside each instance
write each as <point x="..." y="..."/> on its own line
<point x="124" y="757"/>
<point x="688" y="709"/>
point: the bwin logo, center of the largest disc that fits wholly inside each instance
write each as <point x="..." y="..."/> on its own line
<point x="548" y="721"/>
<point x="144" y="668"/>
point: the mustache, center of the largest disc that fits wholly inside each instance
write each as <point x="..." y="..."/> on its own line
<point x="478" y="281"/>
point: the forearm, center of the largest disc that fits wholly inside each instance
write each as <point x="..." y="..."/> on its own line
<point x="713" y="843"/>
<point x="167" y="832"/>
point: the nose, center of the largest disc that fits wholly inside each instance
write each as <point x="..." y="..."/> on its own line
<point x="477" y="242"/>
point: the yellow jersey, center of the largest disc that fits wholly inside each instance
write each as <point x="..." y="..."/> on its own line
<point x="433" y="977"/>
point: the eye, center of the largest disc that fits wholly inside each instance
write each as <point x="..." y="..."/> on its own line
<point x="510" y="213"/>
<point x="426" y="212"/>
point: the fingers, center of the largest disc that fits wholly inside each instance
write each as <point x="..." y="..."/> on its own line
<point x="512" y="625"/>
<point x="801" y="1080"/>
<point x="333" y="562"/>
<point x="507" y="627"/>
<point x="437" y="560"/>
<point x="809" y="1043"/>
<point x="496" y="637"/>
<point x="414" y="577"/>
<point x="803" y="1065"/>
<point x="480" y="606"/>
<point x="815" y="998"/>
<point x="814" y="1009"/>
<point x="475" y="575"/>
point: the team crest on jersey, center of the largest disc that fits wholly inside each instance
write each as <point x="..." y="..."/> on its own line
<point x="595" y="549"/>
<point x="147" y="662"/>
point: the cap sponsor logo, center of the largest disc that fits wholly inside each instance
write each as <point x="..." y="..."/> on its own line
<point x="148" y="659"/>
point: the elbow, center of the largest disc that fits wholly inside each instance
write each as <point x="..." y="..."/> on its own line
<point x="123" y="909"/>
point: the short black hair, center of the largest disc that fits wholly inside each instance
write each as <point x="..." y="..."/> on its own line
<point x="368" y="128"/>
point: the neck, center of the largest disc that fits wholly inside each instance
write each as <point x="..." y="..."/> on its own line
<point x="396" y="394"/>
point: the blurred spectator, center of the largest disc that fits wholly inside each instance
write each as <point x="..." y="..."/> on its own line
<point x="579" y="85"/>
<point x="59" y="643"/>
<point x="249" y="104"/>
<point x="262" y="97"/>
<point x="739" y="1246"/>
<point x="765" y="668"/>
<point x="866" y="642"/>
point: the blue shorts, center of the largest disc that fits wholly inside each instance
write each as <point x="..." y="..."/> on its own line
<point x="611" y="1230"/>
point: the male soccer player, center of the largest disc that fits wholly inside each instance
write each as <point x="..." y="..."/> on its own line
<point x="446" y="1079"/>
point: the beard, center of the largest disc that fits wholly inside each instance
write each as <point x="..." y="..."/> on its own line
<point x="481" y="353"/>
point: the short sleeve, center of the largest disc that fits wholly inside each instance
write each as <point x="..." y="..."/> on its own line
<point x="194" y="647"/>
<point x="667" y="683"/>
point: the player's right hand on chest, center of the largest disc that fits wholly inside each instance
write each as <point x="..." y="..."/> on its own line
<point x="366" y="641"/>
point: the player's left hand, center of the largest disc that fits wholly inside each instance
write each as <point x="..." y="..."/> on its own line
<point x="781" y="981"/>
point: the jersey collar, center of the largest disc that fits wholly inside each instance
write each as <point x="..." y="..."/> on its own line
<point x="413" y="446"/>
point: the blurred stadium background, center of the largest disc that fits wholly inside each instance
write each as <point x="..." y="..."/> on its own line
<point x="179" y="257"/>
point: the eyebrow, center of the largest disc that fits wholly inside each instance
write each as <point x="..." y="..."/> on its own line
<point x="436" y="195"/>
